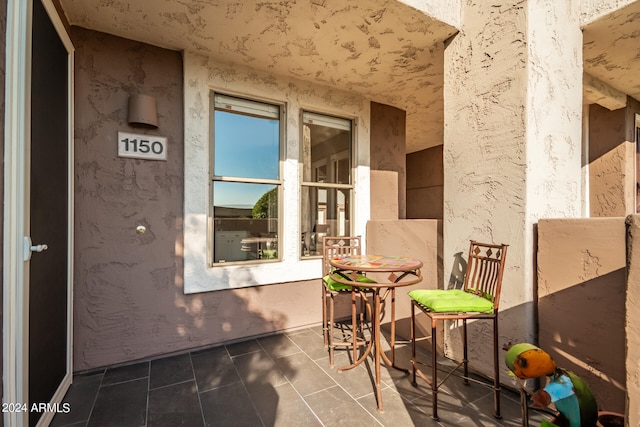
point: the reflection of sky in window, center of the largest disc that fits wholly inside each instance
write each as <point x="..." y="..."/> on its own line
<point x="238" y="195"/>
<point x="245" y="146"/>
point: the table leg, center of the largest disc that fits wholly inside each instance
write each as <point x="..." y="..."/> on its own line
<point x="369" y="345"/>
<point x="392" y="362"/>
<point x="376" y="337"/>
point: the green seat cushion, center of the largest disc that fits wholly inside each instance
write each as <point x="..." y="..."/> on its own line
<point x="451" y="300"/>
<point x="335" y="286"/>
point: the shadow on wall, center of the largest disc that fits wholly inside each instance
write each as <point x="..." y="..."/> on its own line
<point x="458" y="270"/>
<point x="583" y="328"/>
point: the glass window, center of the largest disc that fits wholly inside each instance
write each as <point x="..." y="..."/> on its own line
<point x="246" y="180"/>
<point x="327" y="184"/>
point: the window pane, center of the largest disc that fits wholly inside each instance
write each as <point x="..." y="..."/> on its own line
<point x="325" y="212"/>
<point x="326" y="149"/>
<point x="245" y="220"/>
<point x="246" y="146"/>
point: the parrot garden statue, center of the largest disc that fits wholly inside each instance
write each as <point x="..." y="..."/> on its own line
<point x="568" y="392"/>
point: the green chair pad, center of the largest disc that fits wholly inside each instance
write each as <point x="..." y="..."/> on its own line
<point x="335" y="286"/>
<point x="451" y="300"/>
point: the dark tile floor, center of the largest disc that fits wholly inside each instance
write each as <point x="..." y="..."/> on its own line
<point x="280" y="380"/>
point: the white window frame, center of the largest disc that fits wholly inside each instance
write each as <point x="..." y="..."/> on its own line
<point x="203" y="75"/>
<point x="333" y="121"/>
<point x="253" y="107"/>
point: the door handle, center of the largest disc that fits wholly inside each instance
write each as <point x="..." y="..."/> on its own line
<point x="29" y="248"/>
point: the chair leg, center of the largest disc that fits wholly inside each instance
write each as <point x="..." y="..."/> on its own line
<point x="524" y="407"/>
<point x="354" y="324"/>
<point x="330" y="330"/>
<point x="412" y="334"/>
<point x="325" y="330"/>
<point x="434" y="369"/>
<point x="496" y="372"/>
<point x="465" y="353"/>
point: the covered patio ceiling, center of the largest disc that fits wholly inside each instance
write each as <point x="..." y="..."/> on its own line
<point x="384" y="50"/>
<point x="612" y="50"/>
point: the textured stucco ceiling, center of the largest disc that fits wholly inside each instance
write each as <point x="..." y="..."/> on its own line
<point x="612" y="49"/>
<point x="385" y="50"/>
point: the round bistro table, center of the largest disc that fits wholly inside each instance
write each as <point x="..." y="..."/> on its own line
<point x="402" y="271"/>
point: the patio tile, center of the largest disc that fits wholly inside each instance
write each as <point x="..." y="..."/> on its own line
<point x="121" y="405"/>
<point x="230" y="406"/>
<point x="245" y="347"/>
<point x="357" y="382"/>
<point x="310" y="343"/>
<point x="335" y="407"/>
<point x="126" y="373"/>
<point x="271" y="381"/>
<point x="283" y="406"/>
<point x="317" y="330"/>
<point x="397" y="411"/>
<point x="213" y="368"/>
<point x="450" y="410"/>
<point x="257" y="369"/>
<point x="510" y="410"/>
<point x="80" y="397"/>
<point x="175" y="405"/>
<point x="304" y="374"/>
<point x="279" y="346"/>
<point x="170" y="370"/>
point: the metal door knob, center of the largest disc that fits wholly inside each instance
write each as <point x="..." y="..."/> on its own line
<point x="38" y="248"/>
<point x="28" y="248"/>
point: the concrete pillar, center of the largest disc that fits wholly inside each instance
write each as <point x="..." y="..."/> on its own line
<point x="512" y="146"/>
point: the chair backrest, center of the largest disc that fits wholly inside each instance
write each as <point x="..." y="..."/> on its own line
<point x="485" y="267"/>
<point x="336" y="246"/>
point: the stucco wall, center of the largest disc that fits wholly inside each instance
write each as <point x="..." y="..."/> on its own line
<point x="612" y="181"/>
<point x="631" y="322"/>
<point x="425" y="176"/>
<point x="129" y="300"/>
<point x="421" y="239"/>
<point x="129" y="288"/>
<point x="581" y="301"/>
<point x="388" y="162"/>
<point x="592" y="10"/>
<point x="512" y="142"/>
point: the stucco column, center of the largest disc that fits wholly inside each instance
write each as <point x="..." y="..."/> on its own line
<point x="512" y="144"/>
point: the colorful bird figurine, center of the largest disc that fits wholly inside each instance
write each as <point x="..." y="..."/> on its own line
<point x="567" y="391"/>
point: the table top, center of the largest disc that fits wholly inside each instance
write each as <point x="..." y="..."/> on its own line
<point x="403" y="271"/>
<point x="373" y="263"/>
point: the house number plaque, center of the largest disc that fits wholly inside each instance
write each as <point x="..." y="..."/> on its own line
<point x="149" y="147"/>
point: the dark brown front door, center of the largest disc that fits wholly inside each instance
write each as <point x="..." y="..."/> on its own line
<point x="49" y="212"/>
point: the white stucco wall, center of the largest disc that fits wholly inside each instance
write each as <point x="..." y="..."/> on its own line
<point x="512" y="143"/>
<point x="448" y="11"/>
<point x="592" y="10"/>
<point x="201" y="75"/>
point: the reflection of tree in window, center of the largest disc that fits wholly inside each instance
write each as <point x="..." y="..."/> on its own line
<point x="267" y="205"/>
<point x="247" y="141"/>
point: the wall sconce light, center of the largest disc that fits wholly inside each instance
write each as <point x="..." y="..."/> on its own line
<point x="143" y="111"/>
